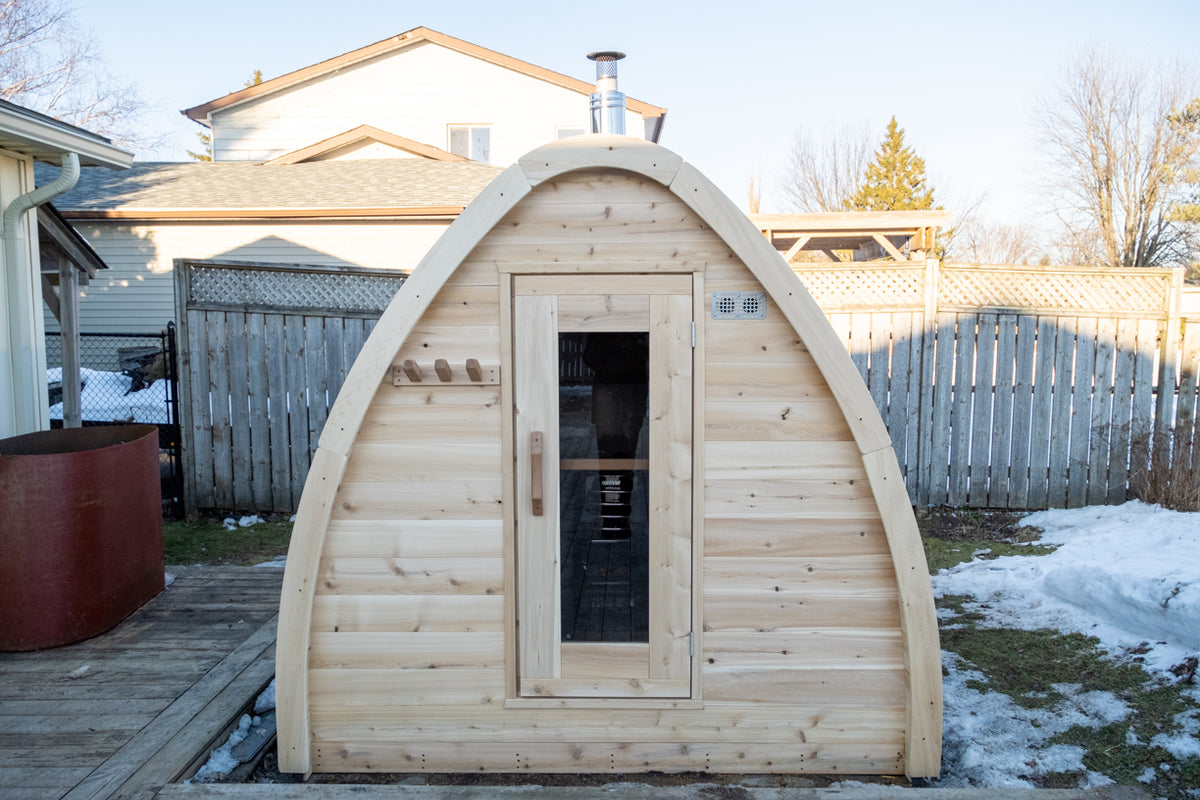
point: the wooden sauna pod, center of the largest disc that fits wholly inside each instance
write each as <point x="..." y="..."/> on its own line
<point x="431" y="619"/>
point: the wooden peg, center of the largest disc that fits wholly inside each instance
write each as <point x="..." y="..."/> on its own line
<point x="442" y="368"/>
<point x="411" y="370"/>
<point x="474" y="372"/>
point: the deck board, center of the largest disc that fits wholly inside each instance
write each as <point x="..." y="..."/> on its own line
<point x="126" y="712"/>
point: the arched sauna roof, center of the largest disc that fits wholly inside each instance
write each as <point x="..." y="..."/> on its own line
<point x="624" y="154"/>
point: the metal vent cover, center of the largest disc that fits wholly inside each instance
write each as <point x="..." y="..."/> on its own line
<point x="739" y="305"/>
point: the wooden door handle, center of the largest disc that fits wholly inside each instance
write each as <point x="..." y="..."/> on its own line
<point x="535" y="468"/>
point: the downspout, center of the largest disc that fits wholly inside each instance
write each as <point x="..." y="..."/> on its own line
<point x="30" y="408"/>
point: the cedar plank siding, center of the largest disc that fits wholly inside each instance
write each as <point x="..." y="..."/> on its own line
<point x="802" y="660"/>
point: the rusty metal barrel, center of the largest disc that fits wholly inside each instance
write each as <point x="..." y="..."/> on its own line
<point x="80" y="532"/>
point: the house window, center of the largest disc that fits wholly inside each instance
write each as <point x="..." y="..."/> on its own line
<point x="563" y="133"/>
<point x="472" y="141"/>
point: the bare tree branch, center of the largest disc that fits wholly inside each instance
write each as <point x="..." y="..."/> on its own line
<point x="994" y="243"/>
<point x="1118" y="157"/>
<point x="48" y="65"/>
<point x="824" y="171"/>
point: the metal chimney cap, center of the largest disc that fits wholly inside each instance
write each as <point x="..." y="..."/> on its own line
<point x="606" y="55"/>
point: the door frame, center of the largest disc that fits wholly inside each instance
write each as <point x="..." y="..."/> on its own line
<point x="687" y="690"/>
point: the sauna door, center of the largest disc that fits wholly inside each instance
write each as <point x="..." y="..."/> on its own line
<point x="602" y="396"/>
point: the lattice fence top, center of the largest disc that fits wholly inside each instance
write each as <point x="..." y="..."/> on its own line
<point x="865" y="288"/>
<point x="289" y="289"/>
<point x="1026" y="290"/>
<point x="1114" y="292"/>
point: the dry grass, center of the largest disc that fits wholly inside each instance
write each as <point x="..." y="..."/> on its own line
<point x="1170" y="474"/>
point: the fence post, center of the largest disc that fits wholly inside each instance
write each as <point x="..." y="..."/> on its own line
<point x="1164" y="412"/>
<point x="68" y="290"/>
<point x="187" y="442"/>
<point x="925" y="406"/>
<point x="172" y="377"/>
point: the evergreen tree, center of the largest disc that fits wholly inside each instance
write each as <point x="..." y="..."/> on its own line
<point x="1186" y="123"/>
<point x="895" y="178"/>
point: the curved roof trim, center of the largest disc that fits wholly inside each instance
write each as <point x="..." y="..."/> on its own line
<point x="918" y="619"/>
<point x="682" y="179"/>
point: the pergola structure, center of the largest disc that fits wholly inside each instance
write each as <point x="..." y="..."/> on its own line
<point x="900" y="235"/>
<point x="68" y="262"/>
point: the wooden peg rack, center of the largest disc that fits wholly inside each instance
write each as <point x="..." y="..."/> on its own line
<point x="471" y="373"/>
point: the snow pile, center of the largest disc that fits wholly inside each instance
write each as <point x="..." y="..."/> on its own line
<point x="1128" y="575"/>
<point x="106" y="398"/>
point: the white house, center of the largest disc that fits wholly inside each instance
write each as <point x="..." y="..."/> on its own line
<point x="26" y="136"/>
<point x="360" y="160"/>
<point x="423" y="85"/>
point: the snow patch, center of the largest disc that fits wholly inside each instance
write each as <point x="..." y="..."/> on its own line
<point x="106" y="398"/>
<point x="989" y="740"/>
<point x="1183" y="743"/>
<point x="1128" y="575"/>
<point x="266" y="701"/>
<point x="222" y="762"/>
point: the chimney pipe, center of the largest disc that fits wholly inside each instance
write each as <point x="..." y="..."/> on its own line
<point x="607" y="105"/>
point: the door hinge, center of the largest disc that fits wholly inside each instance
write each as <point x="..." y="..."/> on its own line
<point x="693" y="334"/>
<point x="692" y="644"/>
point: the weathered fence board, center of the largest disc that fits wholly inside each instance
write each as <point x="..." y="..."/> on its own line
<point x="264" y="351"/>
<point x="1024" y="342"/>
<point x="1028" y="387"/>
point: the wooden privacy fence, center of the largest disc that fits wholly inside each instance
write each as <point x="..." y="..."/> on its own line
<point x="1021" y="387"/>
<point x="1002" y="387"/>
<point x="263" y="351"/>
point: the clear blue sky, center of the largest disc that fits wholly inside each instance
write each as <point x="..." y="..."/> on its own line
<point x="738" y="77"/>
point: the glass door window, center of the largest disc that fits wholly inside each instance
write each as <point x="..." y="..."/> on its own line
<point x="603" y="390"/>
<point x="603" y="426"/>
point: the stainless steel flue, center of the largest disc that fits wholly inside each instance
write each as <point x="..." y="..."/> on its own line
<point x="607" y="104"/>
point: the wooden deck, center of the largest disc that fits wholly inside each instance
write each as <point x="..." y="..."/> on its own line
<point x="125" y="713"/>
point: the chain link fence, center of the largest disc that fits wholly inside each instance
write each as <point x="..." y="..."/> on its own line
<point x="127" y="378"/>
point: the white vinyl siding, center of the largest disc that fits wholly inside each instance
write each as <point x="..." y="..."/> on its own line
<point x="137" y="292"/>
<point x="416" y="92"/>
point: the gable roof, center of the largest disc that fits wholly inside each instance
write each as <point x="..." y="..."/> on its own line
<point x="231" y="190"/>
<point x="201" y="112"/>
<point x="364" y="134"/>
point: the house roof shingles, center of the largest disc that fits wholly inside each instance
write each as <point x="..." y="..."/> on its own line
<point x="366" y="187"/>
